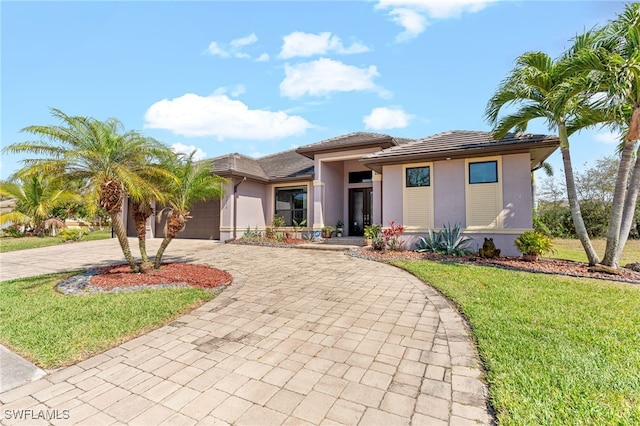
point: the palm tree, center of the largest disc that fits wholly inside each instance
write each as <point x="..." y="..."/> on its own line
<point x="543" y="88"/>
<point x="36" y="196"/>
<point x="612" y="65"/>
<point x="109" y="161"/>
<point x="194" y="183"/>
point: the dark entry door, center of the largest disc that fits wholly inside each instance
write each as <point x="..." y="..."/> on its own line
<point x="360" y="210"/>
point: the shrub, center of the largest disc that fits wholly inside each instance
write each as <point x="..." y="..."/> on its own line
<point x="391" y="236"/>
<point x="448" y="240"/>
<point x="72" y="234"/>
<point x="251" y="233"/>
<point x="533" y="243"/>
<point x="371" y="231"/>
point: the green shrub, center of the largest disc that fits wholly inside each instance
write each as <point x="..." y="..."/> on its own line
<point x="371" y="231"/>
<point x="74" y="234"/>
<point x="534" y="243"/>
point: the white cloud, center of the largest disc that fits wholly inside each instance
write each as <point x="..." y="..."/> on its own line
<point x="607" y="138"/>
<point x="238" y="90"/>
<point x="181" y="148"/>
<point x="412" y="22"/>
<point x="244" y="41"/>
<point x="414" y="15"/>
<point x="263" y="58"/>
<point x="299" y="44"/>
<point x="323" y="76"/>
<point x="214" y="49"/>
<point x="218" y="115"/>
<point x="387" y="118"/>
<point x="234" y="48"/>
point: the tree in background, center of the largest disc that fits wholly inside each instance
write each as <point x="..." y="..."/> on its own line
<point x="595" y="187"/>
<point x="36" y="198"/>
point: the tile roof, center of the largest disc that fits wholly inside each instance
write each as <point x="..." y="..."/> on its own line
<point x="350" y="141"/>
<point x="238" y="164"/>
<point x="283" y="165"/>
<point x="287" y="164"/>
<point x="460" y="143"/>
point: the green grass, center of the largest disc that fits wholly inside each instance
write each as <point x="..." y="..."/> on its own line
<point x="53" y="330"/>
<point x="22" y="243"/>
<point x="571" y="249"/>
<point x="558" y="350"/>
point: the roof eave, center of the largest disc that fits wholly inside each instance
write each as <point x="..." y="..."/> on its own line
<point x="376" y="163"/>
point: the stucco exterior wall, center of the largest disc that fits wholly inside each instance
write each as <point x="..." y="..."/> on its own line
<point x="448" y="180"/>
<point x="391" y="194"/>
<point x="333" y="200"/>
<point x="251" y="203"/>
<point x="516" y="187"/>
<point x="448" y="193"/>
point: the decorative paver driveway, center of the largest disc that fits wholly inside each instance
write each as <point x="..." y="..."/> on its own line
<point x="302" y="337"/>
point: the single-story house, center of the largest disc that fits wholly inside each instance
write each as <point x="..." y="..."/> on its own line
<point x="455" y="177"/>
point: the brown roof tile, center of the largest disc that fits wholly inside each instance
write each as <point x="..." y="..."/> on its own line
<point x="350" y="141"/>
<point x="462" y="143"/>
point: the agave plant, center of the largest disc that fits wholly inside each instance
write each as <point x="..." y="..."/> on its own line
<point x="448" y="240"/>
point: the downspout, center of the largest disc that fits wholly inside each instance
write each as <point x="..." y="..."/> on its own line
<point x="235" y="207"/>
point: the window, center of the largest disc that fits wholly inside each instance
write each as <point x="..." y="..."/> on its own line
<point x="418" y="176"/>
<point x="483" y="193"/>
<point x="484" y="172"/>
<point x="291" y="203"/>
<point x="417" y="195"/>
<point x="360" y="177"/>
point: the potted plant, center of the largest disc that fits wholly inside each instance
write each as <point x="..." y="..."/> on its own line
<point x="327" y="231"/>
<point x="532" y="244"/>
<point x="370" y="232"/>
<point x="339" y="228"/>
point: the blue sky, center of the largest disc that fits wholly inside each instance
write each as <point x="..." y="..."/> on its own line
<point x="262" y="77"/>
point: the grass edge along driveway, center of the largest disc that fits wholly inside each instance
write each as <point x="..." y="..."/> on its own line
<point x="53" y="330"/>
<point x="557" y="350"/>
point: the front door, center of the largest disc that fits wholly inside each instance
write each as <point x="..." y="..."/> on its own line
<point x="360" y="210"/>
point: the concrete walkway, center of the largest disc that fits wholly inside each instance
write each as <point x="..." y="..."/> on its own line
<point x="302" y="337"/>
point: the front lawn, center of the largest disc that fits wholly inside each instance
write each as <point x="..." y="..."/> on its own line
<point x="53" y="330"/>
<point x="557" y="350"/>
<point x="22" y="243"/>
<point x="571" y="249"/>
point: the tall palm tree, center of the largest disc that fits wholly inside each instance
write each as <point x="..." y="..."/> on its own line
<point x="543" y="88"/>
<point x="36" y="196"/>
<point x="194" y="182"/>
<point x="612" y="65"/>
<point x="109" y="161"/>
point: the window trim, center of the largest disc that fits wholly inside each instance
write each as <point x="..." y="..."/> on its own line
<point x="406" y="169"/>
<point x="429" y="193"/>
<point x="495" y="162"/>
<point x="277" y="187"/>
<point x="468" y="187"/>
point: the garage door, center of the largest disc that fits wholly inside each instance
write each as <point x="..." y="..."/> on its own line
<point x="204" y="223"/>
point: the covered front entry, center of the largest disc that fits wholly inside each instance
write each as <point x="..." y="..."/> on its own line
<point x="360" y="210"/>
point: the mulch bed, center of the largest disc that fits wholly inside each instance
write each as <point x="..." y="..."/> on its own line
<point x="120" y="276"/>
<point x="545" y="266"/>
<point x="269" y="242"/>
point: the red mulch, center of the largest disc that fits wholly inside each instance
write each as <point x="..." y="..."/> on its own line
<point x="548" y="266"/>
<point x="169" y="273"/>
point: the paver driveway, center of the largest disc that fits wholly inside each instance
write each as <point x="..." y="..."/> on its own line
<point x="302" y="337"/>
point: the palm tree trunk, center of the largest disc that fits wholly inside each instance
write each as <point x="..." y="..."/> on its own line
<point x="629" y="206"/>
<point x="572" y="194"/>
<point x="618" y="204"/>
<point x="141" y="213"/>
<point x="121" y="233"/>
<point x="161" y="249"/>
